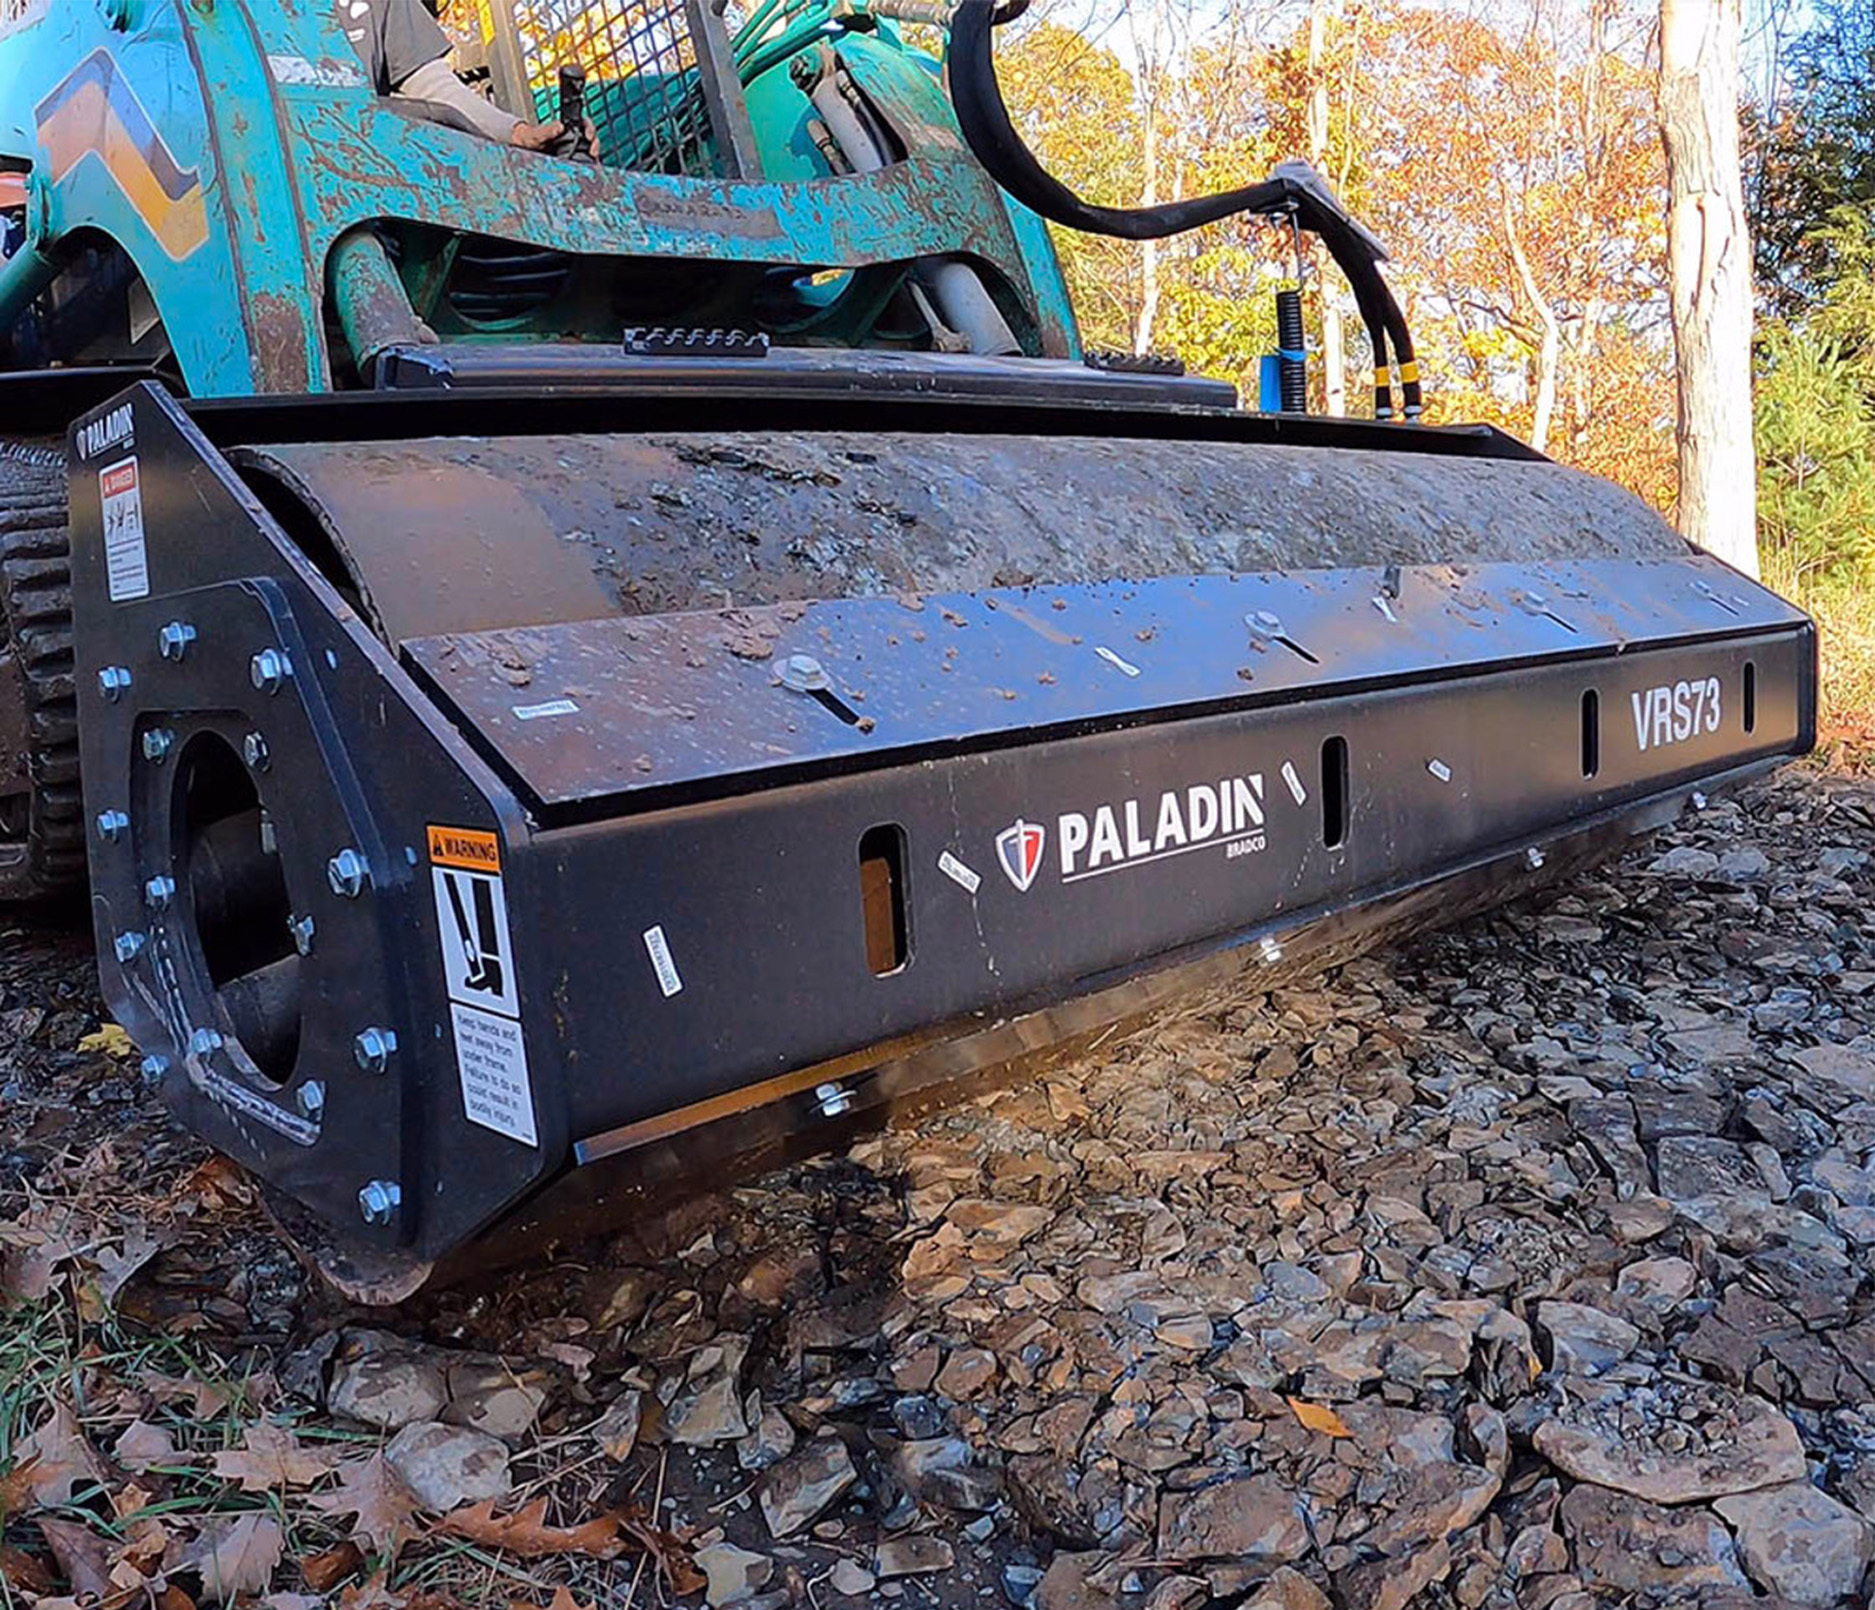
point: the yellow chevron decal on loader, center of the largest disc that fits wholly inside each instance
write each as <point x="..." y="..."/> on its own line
<point x="95" y="112"/>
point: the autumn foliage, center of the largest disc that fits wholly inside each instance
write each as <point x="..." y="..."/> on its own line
<point x="1508" y="157"/>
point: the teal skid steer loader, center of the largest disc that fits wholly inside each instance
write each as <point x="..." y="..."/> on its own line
<point x="560" y="668"/>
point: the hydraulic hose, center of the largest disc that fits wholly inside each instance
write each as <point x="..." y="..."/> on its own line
<point x="1294" y="188"/>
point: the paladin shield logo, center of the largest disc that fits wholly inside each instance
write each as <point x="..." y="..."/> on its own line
<point x="1019" y="850"/>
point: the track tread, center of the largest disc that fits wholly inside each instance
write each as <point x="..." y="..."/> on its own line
<point x="36" y="622"/>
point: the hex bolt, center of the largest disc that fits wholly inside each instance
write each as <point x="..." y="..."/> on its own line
<point x="1534" y="857"/>
<point x="255" y="752"/>
<point x="114" y="682"/>
<point x="1699" y="800"/>
<point x="158" y="892"/>
<point x="834" y="1100"/>
<point x="157" y="743"/>
<point x="154" y="1069"/>
<point x="268" y="669"/>
<point x="128" y="946"/>
<point x="112" y="826"/>
<point x="1272" y="951"/>
<point x="802" y="673"/>
<point x="348" y="872"/>
<point x="301" y="928"/>
<point x="310" y="1098"/>
<point x="205" y="1042"/>
<point x="374" y="1048"/>
<point x="173" y="640"/>
<point x="379" y="1201"/>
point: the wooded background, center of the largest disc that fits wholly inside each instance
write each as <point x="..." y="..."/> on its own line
<point x="1509" y="153"/>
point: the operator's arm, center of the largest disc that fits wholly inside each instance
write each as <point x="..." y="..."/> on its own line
<point x="435" y="81"/>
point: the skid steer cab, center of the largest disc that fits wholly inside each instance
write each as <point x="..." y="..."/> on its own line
<point x="223" y="196"/>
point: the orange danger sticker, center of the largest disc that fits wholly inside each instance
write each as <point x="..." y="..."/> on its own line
<point x="466" y="847"/>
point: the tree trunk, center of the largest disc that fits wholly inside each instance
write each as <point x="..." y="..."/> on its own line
<point x="1709" y="276"/>
<point x="1149" y="257"/>
<point x="1334" y="361"/>
<point x="1549" y="351"/>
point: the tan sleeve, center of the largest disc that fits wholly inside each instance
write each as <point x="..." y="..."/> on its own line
<point x="434" y="81"/>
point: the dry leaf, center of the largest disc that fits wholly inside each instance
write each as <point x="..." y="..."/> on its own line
<point x="19" y="1570"/>
<point x="206" y="1399"/>
<point x="16" y="1486"/>
<point x="115" y="1268"/>
<point x="62" y="1461"/>
<point x="372" y="1595"/>
<point x="110" y="1039"/>
<point x="325" y="1570"/>
<point x="84" y="1557"/>
<point x="527" y="1533"/>
<point x="274" y="1457"/>
<point x="146" y="1547"/>
<point x="35" y="1244"/>
<point x="143" y="1446"/>
<point x="237" y="1558"/>
<point x="375" y="1495"/>
<point x="1318" y="1417"/>
<point x="562" y="1600"/>
<point x="605" y="1537"/>
<point x="218" y="1183"/>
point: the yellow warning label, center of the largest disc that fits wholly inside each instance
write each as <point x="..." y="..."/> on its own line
<point x="466" y="847"/>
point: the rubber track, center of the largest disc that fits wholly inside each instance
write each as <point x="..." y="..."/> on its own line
<point x="36" y="603"/>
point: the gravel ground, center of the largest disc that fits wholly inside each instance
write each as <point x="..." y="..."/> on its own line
<point x="1527" y="1265"/>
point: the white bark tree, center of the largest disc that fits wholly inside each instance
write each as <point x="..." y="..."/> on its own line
<point x="1709" y="274"/>
<point x="1334" y="359"/>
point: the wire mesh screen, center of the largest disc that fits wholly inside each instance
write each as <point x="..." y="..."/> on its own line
<point x="644" y="90"/>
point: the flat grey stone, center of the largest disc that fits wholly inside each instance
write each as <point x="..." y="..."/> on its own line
<point x="448" y="1466"/>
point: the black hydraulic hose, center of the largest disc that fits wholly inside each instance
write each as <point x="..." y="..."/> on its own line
<point x="991" y="135"/>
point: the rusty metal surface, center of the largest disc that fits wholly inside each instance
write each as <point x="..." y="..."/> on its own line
<point x="465" y="535"/>
<point x="597" y="709"/>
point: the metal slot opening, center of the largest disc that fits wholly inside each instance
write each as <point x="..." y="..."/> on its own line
<point x="882" y="898"/>
<point x="1751" y="695"/>
<point x="1334" y="792"/>
<point x="234" y="906"/>
<point x="1591" y="733"/>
